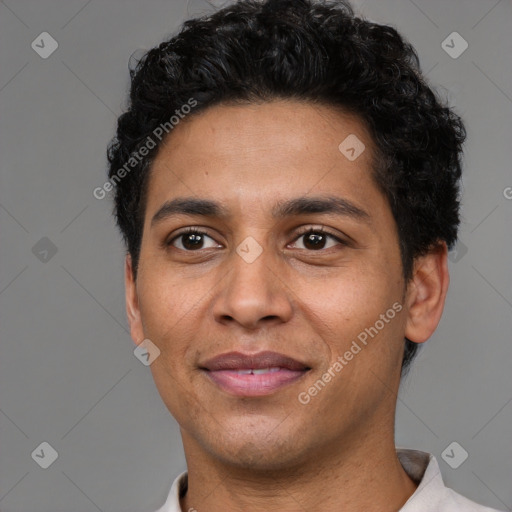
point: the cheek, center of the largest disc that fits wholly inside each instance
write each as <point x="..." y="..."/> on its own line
<point x="349" y="310"/>
<point x="166" y="311"/>
<point x="165" y="295"/>
<point x="348" y="302"/>
<point x="178" y="397"/>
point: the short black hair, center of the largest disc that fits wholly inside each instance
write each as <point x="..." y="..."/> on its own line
<point x="318" y="52"/>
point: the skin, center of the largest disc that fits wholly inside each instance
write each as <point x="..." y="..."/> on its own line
<point x="272" y="452"/>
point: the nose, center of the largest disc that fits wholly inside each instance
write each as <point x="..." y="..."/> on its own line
<point x="254" y="294"/>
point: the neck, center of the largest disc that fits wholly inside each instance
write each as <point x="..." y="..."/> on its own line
<point x="362" y="475"/>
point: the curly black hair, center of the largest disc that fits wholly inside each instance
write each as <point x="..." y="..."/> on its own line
<point x="318" y="52"/>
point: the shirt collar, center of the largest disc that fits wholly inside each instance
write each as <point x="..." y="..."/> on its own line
<point x="421" y="467"/>
<point x="424" y="470"/>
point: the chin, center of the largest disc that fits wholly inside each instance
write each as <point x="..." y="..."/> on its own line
<point x="251" y="457"/>
<point x="258" y="449"/>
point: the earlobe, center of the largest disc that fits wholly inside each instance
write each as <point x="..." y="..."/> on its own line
<point x="132" y="303"/>
<point x="427" y="293"/>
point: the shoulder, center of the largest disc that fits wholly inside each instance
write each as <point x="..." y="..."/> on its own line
<point x="431" y="493"/>
<point x="453" y="501"/>
<point x="178" y="489"/>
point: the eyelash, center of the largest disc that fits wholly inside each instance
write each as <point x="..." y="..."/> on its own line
<point x="302" y="232"/>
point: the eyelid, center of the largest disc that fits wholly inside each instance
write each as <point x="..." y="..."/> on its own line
<point x="319" y="229"/>
<point x="303" y="230"/>
<point x="168" y="242"/>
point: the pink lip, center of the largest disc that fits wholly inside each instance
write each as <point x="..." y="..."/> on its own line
<point x="224" y="371"/>
<point x="254" y="385"/>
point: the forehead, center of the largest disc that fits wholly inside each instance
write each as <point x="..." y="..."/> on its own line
<point x="252" y="156"/>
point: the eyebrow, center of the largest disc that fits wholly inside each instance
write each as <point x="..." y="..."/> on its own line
<point x="282" y="209"/>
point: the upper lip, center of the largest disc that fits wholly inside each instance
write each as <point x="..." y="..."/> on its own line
<point x="240" y="361"/>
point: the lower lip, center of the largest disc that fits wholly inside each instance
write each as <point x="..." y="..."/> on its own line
<point x="254" y="385"/>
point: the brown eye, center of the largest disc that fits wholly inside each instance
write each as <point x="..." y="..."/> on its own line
<point x="192" y="240"/>
<point x="315" y="240"/>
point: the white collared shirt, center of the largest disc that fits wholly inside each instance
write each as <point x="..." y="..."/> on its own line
<point x="430" y="496"/>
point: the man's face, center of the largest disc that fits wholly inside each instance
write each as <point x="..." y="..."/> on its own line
<point x="255" y="282"/>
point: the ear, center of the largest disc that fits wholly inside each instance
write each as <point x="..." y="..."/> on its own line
<point x="132" y="303"/>
<point x="426" y="293"/>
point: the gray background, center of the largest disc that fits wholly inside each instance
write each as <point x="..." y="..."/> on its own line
<point x="68" y="375"/>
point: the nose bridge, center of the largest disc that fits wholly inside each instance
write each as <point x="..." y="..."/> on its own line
<point x="251" y="271"/>
<point x="252" y="265"/>
<point x="253" y="289"/>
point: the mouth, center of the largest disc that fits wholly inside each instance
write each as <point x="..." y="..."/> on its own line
<point x="253" y="375"/>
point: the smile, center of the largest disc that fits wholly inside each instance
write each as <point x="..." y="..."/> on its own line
<point x="254" y="382"/>
<point x="253" y="375"/>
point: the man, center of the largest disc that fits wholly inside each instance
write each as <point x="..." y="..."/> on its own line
<point x="287" y="188"/>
